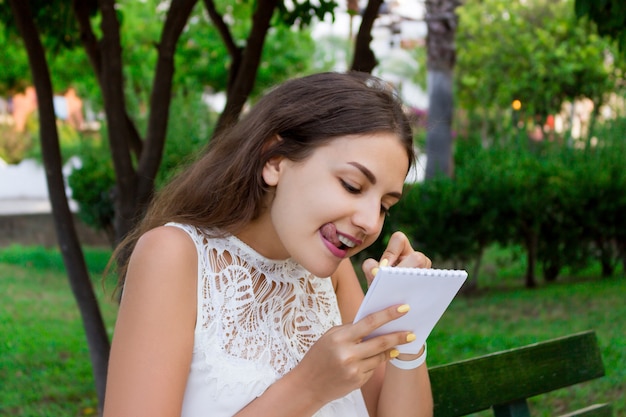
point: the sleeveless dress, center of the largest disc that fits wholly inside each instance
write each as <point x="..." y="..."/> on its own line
<point x="256" y="318"/>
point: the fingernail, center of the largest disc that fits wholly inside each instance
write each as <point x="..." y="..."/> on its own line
<point x="410" y="337"/>
<point x="393" y="353"/>
<point x="403" y="308"/>
<point x="384" y="262"/>
<point x="374" y="271"/>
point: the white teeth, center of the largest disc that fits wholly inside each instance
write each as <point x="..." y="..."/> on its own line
<point x="346" y="241"/>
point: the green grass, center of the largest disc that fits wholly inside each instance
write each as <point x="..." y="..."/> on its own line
<point x="44" y="361"/>
<point x="506" y="319"/>
<point x="503" y="315"/>
<point x="45" y="368"/>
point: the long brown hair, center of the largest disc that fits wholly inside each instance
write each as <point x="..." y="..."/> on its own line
<point x="224" y="189"/>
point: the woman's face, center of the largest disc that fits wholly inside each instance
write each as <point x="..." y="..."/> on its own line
<point x="332" y="204"/>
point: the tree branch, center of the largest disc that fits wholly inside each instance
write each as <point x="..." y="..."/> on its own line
<point x="94" y="53"/>
<point x="244" y="75"/>
<point x="160" y="98"/>
<point x="222" y="28"/>
<point x="87" y="36"/>
<point x="235" y="52"/>
<point x="364" y="59"/>
<point x="120" y="136"/>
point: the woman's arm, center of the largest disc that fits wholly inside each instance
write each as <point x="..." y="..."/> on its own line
<point x="406" y="392"/>
<point x="153" y="338"/>
<point x="337" y="364"/>
<point x="390" y="391"/>
<point x="349" y="296"/>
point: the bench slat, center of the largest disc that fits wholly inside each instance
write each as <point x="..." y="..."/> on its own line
<point x="472" y="385"/>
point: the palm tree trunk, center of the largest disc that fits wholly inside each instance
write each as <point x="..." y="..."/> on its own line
<point x="441" y="20"/>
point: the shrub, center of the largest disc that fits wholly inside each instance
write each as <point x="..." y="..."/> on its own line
<point x="93" y="185"/>
<point x="564" y="206"/>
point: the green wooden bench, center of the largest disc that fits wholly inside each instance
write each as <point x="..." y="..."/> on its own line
<point x="505" y="380"/>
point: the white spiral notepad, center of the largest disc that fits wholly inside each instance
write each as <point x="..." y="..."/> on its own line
<point x="428" y="292"/>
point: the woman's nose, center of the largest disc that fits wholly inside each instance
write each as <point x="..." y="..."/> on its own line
<point x="368" y="217"/>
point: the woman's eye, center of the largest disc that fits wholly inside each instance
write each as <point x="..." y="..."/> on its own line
<point x="350" y="188"/>
<point x="384" y="210"/>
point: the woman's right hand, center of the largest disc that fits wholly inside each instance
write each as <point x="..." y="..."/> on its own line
<point x="399" y="252"/>
<point x="341" y="361"/>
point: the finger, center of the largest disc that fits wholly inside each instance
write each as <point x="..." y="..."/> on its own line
<point x="397" y="248"/>
<point x="384" y="347"/>
<point x="372" y="362"/>
<point x="400" y="253"/>
<point x="371" y="322"/>
<point x="383" y="262"/>
<point x="415" y="260"/>
<point x="369" y="269"/>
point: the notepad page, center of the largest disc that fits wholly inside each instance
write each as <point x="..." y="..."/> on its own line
<point x="428" y="292"/>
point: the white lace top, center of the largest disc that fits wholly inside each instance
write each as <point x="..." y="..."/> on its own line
<point x="256" y="319"/>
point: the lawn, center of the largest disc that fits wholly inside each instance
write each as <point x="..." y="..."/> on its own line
<point x="44" y="361"/>
<point x="45" y="369"/>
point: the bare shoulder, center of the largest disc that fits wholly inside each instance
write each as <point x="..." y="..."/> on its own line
<point x="154" y="332"/>
<point x="166" y="239"/>
<point x="164" y="256"/>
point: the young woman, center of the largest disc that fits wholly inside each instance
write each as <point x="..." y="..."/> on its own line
<point x="239" y="296"/>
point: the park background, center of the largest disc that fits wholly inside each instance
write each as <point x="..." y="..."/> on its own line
<point x="518" y="110"/>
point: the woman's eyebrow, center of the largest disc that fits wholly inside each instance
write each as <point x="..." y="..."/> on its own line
<point x="368" y="174"/>
<point x="371" y="177"/>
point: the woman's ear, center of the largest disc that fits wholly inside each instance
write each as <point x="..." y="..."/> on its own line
<point x="272" y="170"/>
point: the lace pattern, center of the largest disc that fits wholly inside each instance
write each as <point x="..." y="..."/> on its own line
<point x="262" y="309"/>
<point x="256" y="317"/>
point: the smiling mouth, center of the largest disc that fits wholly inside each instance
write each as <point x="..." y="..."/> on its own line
<point x="345" y="243"/>
<point x="329" y="232"/>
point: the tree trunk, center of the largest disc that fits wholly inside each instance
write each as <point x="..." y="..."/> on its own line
<point x="160" y="99"/>
<point x="439" y="133"/>
<point x="235" y="52"/>
<point x="245" y="63"/>
<point x="441" y="20"/>
<point x="244" y="75"/>
<point x="471" y="285"/>
<point x="364" y="59"/>
<point x="97" y="338"/>
<point x="94" y="53"/>
<point x="621" y="251"/>
<point x="531" y="243"/>
<point x="551" y="270"/>
<point x="607" y="257"/>
<point x="134" y="187"/>
<point x="112" y="86"/>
